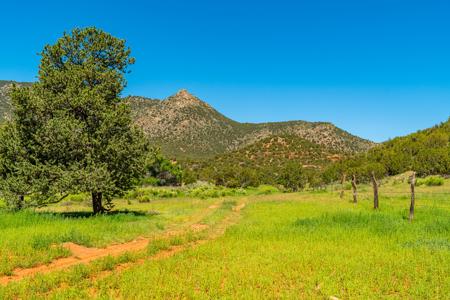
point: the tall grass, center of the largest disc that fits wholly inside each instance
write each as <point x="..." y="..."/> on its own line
<point x="305" y="249"/>
<point x="30" y="238"/>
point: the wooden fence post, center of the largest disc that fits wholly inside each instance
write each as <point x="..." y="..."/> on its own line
<point x="413" y="196"/>
<point x="342" y="186"/>
<point x="355" y="189"/>
<point x="375" y="191"/>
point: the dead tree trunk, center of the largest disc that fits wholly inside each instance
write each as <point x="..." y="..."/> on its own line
<point x="413" y="196"/>
<point x="375" y="191"/>
<point x="355" y="189"/>
<point x="341" y="195"/>
<point x="97" y="203"/>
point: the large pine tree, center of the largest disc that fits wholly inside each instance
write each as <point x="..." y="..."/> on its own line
<point x="72" y="123"/>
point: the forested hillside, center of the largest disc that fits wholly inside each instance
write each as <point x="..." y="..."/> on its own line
<point x="275" y="151"/>
<point x="427" y="152"/>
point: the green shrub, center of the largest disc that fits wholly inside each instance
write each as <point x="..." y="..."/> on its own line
<point x="146" y="194"/>
<point x="153" y="181"/>
<point x="266" y="190"/>
<point x="144" y="199"/>
<point x="430" y="181"/>
<point x="133" y="194"/>
<point x="347" y="186"/>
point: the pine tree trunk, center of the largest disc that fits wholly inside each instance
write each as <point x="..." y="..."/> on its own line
<point x="97" y="203"/>
<point x="375" y="191"/>
<point x="342" y="186"/>
<point x="20" y="201"/>
<point x="355" y="189"/>
<point x="413" y="196"/>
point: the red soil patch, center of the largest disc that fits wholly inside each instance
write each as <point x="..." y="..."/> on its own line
<point x="239" y="207"/>
<point x="80" y="255"/>
<point x="84" y="255"/>
<point x="199" y="227"/>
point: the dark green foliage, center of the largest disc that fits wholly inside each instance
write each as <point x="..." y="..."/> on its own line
<point x="234" y="177"/>
<point x="264" y="162"/>
<point x="292" y="177"/>
<point x="162" y="170"/>
<point x="275" y="151"/>
<point x="72" y="123"/>
<point x="16" y="171"/>
<point x="430" y="181"/>
<point x="5" y="99"/>
<point x="189" y="176"/>
<point x="426" y="152"/>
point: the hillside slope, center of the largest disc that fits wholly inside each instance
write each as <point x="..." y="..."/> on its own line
<point x="186" y="127"/>
<point x="275" y="151"/>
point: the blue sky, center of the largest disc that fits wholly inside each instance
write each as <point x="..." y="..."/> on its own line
<point x="376" y="68"/>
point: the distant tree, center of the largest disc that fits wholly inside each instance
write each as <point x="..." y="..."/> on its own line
<point x="162" y="169"/>
<point x="225" y="176"/>
<point x="77" y="130"/>
<point x="189" y="176"/>
<point x="233" y="176"/>
<point x="332" y="173"/>
<point x="292" y="176"/>
<point x="314" y="179"/>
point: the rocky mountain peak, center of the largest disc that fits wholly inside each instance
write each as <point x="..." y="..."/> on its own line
<point x="183" y="93"/>
<point x="184" y="98"/>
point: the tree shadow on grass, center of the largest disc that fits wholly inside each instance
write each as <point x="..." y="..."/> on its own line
<point x="87" y="214"/>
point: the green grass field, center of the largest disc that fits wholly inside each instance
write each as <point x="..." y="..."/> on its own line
<point x="32" y="238"/>
<point x="309" y="245"/>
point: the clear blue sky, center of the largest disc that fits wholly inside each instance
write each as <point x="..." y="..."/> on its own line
<point x="377" y="68"/>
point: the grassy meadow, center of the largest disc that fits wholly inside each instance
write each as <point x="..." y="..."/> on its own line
<point x="308" y="245"/>
<point x="30" y="238"/>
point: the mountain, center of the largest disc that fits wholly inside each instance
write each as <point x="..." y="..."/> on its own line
<point x="186" y="127"/>
<point x="5" y="103"/>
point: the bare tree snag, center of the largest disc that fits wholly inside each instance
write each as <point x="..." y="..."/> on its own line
<point x="341" y="195"/>
<point x="375" y="191"/>
<point x="413" y="196"/>
<point x="355" y="189"/>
